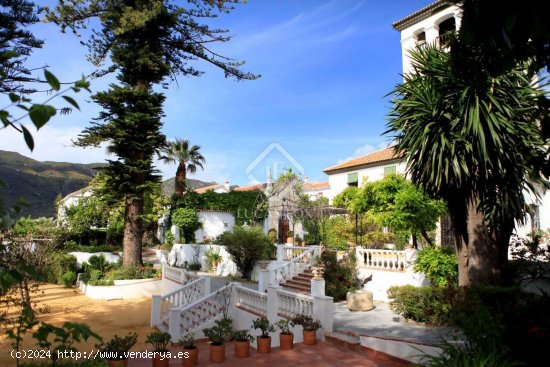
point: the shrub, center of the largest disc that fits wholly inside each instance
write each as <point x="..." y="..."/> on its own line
<point x="118" y="346"/>
<point x="264" y="325"/>
<point x="195" y="266"/>
<point x="339" y="275"/>
<point x="243" y="336"/>
<point x="68" y="279"/>
<point x="187" y="221"/>
<point x="272" y="234"/>
<point x="216" y="333"/>
<point x="159" y="341"/>
<point x="246" y="245"/>
<point x="439" y="264"/>
<point x="305" y="322"/>
<point x="432" y="305"/>
<point x="57" y="265"/>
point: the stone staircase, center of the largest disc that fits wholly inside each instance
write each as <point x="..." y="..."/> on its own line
<point x="300" y="283"/>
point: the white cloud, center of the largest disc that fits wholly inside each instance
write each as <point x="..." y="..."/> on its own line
<point x="51" y="144"/>
<point x="365" y="149"/>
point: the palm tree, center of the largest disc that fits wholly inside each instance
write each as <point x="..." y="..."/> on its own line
<point x="473" y="141"/>
<point x="188" y="158"/>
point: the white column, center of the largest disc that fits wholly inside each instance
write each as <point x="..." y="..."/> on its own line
<point x="176" y="232"/>
<point x="207" y="286"/>
<point x="272" y="303"/>
<point x="281" y="253"/>
<point x="323" y="310"/>
<point x="155" y="310"/>
<point x="263" y="280"/>
<point x="174" y="324"/>
<point x="317" y="287"/>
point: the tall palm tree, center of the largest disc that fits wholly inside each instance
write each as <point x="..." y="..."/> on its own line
<point x="188" y="158"/>
<point x="472" y="140"/>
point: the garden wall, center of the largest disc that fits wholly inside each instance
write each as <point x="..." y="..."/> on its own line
<point x="382" y="280"/>
<point x="82" y="257"/>
<point x="123" y="289"/>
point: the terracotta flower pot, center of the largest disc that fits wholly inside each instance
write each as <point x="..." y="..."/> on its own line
<point x="264" y="345"/>
<point x="192" y="357"/>
<point x="118" y="363"/>
<point x="158" y="361"/>
<point x="217" y="353"/>
<point x="242" y="349"/>
<point x="310" y="337"/>
<point x="286" y="341"/>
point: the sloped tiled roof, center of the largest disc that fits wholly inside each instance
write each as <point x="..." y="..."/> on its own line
<point x="316" y="186"/>
<point x="421" y="14"/>
<point x="250" y="187"/>
<point x="382" y="155"/>
<point x="202" y="190"/>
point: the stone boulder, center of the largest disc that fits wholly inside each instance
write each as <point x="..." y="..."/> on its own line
<point x="360" y="301"/>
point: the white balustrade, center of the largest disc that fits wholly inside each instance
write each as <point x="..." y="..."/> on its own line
<point x="251" y="300"/>
<point x="181" y="297"/>
<point x="290" y="304"/>
<point x="295" y="265"/>
<point x="178" y="275"/>
<point x="193" y="315"/>
<point x="382" y="259"/>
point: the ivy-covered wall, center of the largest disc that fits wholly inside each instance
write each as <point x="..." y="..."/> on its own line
<point x="247" y="207"/>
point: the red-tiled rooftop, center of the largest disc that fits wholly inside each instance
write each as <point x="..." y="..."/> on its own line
<point x="382" y="155"/>
<point x="320" y="355"/>
<point x="316" y="186"/>
<point x="420" y="14"/>
<point x="202" y="190"/>
<point x="250" y="187"/>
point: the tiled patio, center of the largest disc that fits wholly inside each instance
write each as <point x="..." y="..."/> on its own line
<point x="320" y="355"/>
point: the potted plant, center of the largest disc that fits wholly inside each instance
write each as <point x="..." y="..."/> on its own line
<point x="298" y="241"/>
<point x="117" y="349"/>
<point x="263" y="341"/>
<point x="310" y="327"/>
<point x="213" y="257"/>
<point x="216" y="334"/>
<point x="160" y="342"/>
<point x="289" y="237"/>
<point x="190" y="350"/>
<point x="242" y="343"/>
<point x="286" y="338"/>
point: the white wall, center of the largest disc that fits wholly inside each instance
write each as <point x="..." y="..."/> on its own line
<point x="82" y="257"/>
<point x="428" y="25"/>
<point x="382" y="280"/>
<point x="544" y="214"/>
<point x="184" y="253"/>
<point x="138" y="288"/>
<point x="213" y="224"/>
<point x="339" y="181"/>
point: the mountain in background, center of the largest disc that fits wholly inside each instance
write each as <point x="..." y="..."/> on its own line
<point x="39" y="183"/>
<point x="169" y="186"/>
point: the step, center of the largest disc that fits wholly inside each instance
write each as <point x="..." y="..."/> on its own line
<point x="305" y="275"/>
<point x="302" y="281"/>
<point x="295" y="288"/>
<point x="344" y="338"/>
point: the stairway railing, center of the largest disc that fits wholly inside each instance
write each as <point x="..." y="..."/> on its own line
<point x="293" y="266"/>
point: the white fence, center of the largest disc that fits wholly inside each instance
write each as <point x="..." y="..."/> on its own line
<point x="382" y="259"/>
<point x="251" y="300"/>
<point x="299" y="258"/>
<point x="290" y="304"/>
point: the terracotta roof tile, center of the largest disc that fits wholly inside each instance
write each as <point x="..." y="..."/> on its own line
<point x="316" y="186"/>
<point x="374" y="157"/>
<point x="202" y="190"/>
<point x="420" y="14"/>
<point x="250" y="187"/>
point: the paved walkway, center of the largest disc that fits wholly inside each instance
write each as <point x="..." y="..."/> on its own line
<point x="319" y="355"/>
<point x="382" y="322"/>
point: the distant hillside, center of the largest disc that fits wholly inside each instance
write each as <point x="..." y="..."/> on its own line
<point x="168" y="186"/>
<point x="39" y="183"/>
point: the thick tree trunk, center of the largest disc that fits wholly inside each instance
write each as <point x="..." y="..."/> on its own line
<point x="415" y="241"/>
<point x="427" y="238"/>
<point x="478" y="255"/>
<point x="133" y="232"/>
<point x="180" y="179"/>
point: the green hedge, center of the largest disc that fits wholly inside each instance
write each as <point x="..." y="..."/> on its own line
<point x="57" y="266"/>
<point x="339" y="275"/>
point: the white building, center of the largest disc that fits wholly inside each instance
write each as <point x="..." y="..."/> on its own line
<point x="367" y="168"/>
<point x="70" y="200"/>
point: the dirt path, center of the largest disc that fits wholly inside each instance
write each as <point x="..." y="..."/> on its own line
<point x="105" y="318"/>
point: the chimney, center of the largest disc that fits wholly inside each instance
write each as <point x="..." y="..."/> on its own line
<point x="226" y="184"/>
<point x="306" y="179"/>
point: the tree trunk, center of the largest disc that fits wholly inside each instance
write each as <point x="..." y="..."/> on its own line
<point x="427" y="237"/>
<point x="133" y="232"/>
<point x="415" y="241"/>
<point x="180" y="179"/>
<point x="478" y="255"/>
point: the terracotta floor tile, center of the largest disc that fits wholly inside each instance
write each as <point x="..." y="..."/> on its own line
<point x="320" y="355"/>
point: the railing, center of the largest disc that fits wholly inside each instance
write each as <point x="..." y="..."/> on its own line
<point x="181" y="297"/>
<point x="251" y="300"/>
<point x="382" y="259"/>
<point x="293" y="266"/>
<point x="193" y="315"/>
<point x="290" y="304"/>
<point x="291" y="252"/>
<point x="178" y="275"/>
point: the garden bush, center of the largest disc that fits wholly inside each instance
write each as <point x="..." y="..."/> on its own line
<point x="439" y="264"/>
<point x="68" y="279"/>
<point x="432" y="305"/>
<point x="71" y="245"/>
<point x="57" y="265"/>
<point x="339" y="275"/>
<point x="246" y="245"/>
<point x="187" y="220"/>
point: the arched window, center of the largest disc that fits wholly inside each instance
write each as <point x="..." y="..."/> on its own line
<point x="420" y="38"/>
<point x="448" y="26"/>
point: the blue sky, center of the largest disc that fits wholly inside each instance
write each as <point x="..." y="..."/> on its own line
<point x="326" y="67"/>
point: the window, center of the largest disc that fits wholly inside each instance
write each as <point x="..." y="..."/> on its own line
<point x="446" y="28"/>
<point x="353" y="179"/>
<point x="389" y="170"/>
<point x="421" y="38"/>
